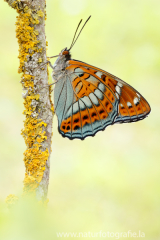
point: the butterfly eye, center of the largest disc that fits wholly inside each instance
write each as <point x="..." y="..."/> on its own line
<point x="65" y="53"/>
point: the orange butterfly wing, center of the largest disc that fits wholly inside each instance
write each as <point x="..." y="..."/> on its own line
<point x="99" y="99"/>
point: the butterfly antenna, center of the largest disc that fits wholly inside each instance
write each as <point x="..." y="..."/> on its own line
<point x="73" y="42"/>
<point x="75" y="33"/>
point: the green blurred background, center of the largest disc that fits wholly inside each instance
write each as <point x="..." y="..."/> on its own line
<point x="109" y="182"/>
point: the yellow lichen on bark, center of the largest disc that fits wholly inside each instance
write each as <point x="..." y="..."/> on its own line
<point x="33" y="132"/>
<point x="27" y="36"/>
<point x="38" y="110"/>
<point x="35" y="161"/>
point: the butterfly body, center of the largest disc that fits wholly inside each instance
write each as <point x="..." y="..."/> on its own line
<point x="88" y="99"/>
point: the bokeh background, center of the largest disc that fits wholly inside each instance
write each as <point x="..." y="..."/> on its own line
<point x="110" y="182"/>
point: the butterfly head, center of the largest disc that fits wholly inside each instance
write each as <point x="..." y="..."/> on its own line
<point x="65" y="53"/>
<point x="63" y="57"/>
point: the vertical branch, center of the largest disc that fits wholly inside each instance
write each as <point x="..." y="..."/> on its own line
<point x="37" y="132"/>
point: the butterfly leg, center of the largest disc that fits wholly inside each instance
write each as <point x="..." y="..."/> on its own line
<point x="50" y="64"/>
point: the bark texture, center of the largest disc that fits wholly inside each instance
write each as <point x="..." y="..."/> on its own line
<point x="37" y="132"/>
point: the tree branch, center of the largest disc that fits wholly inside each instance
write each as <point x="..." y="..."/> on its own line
<point x="37" y="132"/>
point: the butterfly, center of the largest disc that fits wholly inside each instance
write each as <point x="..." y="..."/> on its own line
<point x="87" y="99"/>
